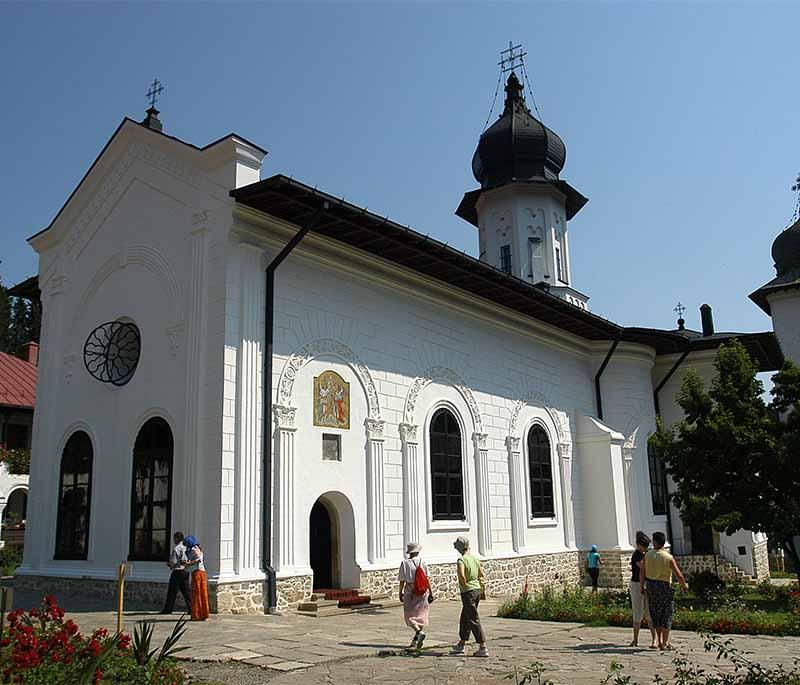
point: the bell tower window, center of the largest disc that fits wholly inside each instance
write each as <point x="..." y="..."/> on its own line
<point x="505" y="259"/>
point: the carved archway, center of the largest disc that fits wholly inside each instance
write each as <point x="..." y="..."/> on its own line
<point x="327" y="347"/>
<point x="449" y="377"/>
<point x="559" y="418"/>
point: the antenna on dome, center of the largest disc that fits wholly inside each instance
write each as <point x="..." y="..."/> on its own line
<point x="509" y="59"/>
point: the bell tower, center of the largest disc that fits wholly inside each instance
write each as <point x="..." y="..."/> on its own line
<point x="522" y="207"/>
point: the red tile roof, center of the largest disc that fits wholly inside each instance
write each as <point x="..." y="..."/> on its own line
<point x="17" y="382"/>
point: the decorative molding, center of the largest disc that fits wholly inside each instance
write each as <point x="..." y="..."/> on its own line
<point x="375" y="428"/>
<point x="450" y="377"/>
<point x="629" y="446"/>
<point x="318" y="348"/>
<point x="513" y="443"/>
<point x="481" y="440"/>
<point x="408" y="433"/>
<point x="284" y="417"/>
<point x="175" y="333"/>
<point x="55" y="285"/>
<point x="200" y="219"/>
<point x="564" y="450"/>
<point x="559" y="418"/>
<point x="69" y="366"/>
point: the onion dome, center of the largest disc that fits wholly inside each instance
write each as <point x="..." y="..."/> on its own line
<point x="786" y="255"/>
<point x="517" y="146"/>
<point x="786" y="251"/>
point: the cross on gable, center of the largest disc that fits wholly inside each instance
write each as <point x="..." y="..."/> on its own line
<point x="679" y="310"/>
<point x="155" y="90"/>
<point x="511" y="58"/>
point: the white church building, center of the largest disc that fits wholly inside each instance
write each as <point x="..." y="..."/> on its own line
<point x="408" y="392"/>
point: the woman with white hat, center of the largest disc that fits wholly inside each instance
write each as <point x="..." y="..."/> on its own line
<point x="415" y="593"/>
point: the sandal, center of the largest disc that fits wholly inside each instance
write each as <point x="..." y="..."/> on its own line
<point x="633" y="643"/>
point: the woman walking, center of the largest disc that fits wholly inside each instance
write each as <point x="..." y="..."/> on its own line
<point x="415" y="593"/>
<point x="195" y="565"/>
<point x="593" y="562"/>
<point x="470" y="581"/>
<point x="639" y="598"/>
<point x="658" y="566"/>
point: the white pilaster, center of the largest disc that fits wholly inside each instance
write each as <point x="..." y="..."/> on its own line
<point x="628" y="448"/>
<point x="248" y="449"/>
<point x="411" y="499"/>
<point x="191" y="487"/>
<point x="285" y="488"/>
<point x="376" y="526"/>
<point x="516" y="482"/>
<point x="565" y="463"/>
<point x="482" y="493"/>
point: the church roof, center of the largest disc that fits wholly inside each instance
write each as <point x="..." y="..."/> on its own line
<point x="17" y="382"/>
<point x="296" y="202"/>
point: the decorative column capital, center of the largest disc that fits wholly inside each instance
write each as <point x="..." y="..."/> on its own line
<point x="284" y="417"/>
<point x="374" y="429"/>
<point x="513" y="443"/>
<point x="481" y="440"/>
<point x="408" y="432"/>
<point x="564" y="450"/>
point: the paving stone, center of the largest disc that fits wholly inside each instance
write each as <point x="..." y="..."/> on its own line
<point x="252" y="646"/>
<point x="239" y="655"/>
<point x="287" y="665"/>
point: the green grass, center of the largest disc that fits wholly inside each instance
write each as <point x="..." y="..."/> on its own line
<point x="751" y="614"/>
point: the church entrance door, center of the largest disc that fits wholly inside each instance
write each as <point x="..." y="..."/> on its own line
<point x="321" y="546"/>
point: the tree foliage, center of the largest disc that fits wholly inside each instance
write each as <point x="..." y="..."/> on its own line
<point x="734" y="458"/>
<point x="20" y="321"/>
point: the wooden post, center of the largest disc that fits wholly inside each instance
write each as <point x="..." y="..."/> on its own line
<point x="121" y="590"/>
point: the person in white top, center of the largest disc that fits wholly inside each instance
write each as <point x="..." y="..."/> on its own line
<point x="179" y="577"/>
<point x="415" y="593"/>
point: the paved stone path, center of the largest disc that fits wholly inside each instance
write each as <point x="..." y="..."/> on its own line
<point x="368" y="647"/>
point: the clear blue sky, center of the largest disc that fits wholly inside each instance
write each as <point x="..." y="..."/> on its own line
<point x="679" y="120"/>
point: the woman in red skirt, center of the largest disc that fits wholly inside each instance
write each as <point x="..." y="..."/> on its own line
<point x="199" y="594"/>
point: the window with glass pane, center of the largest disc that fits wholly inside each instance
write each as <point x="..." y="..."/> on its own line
<point x="505" y="259"/>
<point x="74" y="498"/>
<point x="447" y="477"/>
<point x="151" y="492"/>
<point x="540" y="473"/>
<point x="658" y="482"/>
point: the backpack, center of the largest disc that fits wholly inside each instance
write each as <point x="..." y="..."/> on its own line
<point x="421" y="583"/>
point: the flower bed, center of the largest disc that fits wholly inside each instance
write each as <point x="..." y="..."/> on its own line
<point x="40" y="647"/>
<point x="613" y="608"/>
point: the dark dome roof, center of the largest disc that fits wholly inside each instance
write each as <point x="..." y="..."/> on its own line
<point x="786" y="251"/>
<point x="517" y="146"/>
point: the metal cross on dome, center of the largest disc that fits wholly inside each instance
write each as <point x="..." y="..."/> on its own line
<point x="511" y="58"/>
<point x="679" y="310"/>
<point x="796" y="189"/>
<point x="155" y="90"/>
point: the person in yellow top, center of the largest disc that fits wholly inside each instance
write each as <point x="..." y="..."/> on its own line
<point x="658" y="567"/>
<point x="470" y="582"/>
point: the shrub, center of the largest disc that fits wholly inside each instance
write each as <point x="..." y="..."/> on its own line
<point x="18" y="462"/>
<point x="10" y="558"/>
<point x="40" y="647"/>
<point x="707" y="586"/>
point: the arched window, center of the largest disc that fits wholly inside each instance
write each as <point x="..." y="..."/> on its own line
<point x="74" y="498"/>
<point x="540" y="473"/>
<point x="447" y="475"/>
<point x="151" y="492"/>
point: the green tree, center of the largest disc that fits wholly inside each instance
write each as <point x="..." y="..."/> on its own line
<point x="735" y="459"/>
<point x="5" y="318"/>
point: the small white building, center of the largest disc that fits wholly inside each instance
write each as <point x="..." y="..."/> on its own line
<point x="413" y="393"/>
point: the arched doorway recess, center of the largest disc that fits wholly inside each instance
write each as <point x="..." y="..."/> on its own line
<point x="331" y="543"/>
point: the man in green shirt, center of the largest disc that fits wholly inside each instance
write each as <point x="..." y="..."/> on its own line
<point x="470" y="581"/>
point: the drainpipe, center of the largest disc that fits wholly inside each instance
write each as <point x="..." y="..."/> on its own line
<point x="598" y="394"/>
<point x="266" y="404"/>
<point x="663" y="382"/>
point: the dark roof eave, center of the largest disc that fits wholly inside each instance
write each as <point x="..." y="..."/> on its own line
<point x="293" y="201"/>
<point x="574" y="200"/>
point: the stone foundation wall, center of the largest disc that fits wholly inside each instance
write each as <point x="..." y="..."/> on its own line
<point x="503" y="576"/>
<point x="292" y="591"/>
<point x="236" y="598"/>
<point x="150" y="594"/>
<point x="615" y="569"/>
<point x="761" y="561"/>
